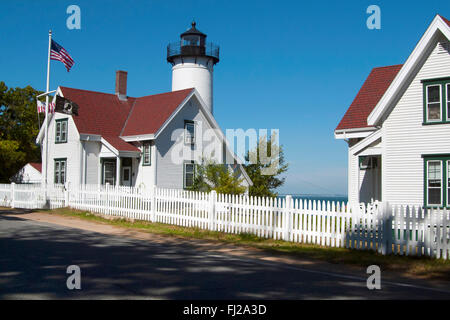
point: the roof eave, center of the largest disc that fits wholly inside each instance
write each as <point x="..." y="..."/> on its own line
<point x="139" y="137"/>
<point x="352" y="133"/>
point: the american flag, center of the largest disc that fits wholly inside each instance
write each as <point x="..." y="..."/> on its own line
<point x="59" y="53"/>
<point x="41" y="107"/>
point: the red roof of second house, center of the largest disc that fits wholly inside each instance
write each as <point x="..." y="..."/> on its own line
<point x="368" y="96"/>
<point x="106" y="115"/>
<point x="36" y="165"/>
<point x="445" y="20"/>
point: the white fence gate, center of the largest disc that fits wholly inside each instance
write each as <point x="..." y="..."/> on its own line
<point x="401" y="230"/>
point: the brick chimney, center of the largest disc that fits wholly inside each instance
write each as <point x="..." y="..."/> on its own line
<point x="121" y="84"/>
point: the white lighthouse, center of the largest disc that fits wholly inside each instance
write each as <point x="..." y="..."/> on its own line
<point x="193" y="61"/>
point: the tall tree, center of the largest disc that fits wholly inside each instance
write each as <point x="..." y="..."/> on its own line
<point x="219" y="177"/>
<point x="265" y="165"/>
<point x="18" y="129"/>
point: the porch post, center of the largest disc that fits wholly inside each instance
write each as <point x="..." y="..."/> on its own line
<point x="117" y="171"/>
<point x="153" y="164"/>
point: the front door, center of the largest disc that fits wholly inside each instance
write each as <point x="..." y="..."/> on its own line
<point x="126" y="176"/>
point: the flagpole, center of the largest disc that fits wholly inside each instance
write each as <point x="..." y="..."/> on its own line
<point x="46" y="112"/>
<point x="39" y="119"/>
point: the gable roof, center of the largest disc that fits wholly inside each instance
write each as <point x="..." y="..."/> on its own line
<point x="106" y="115"/>
<point x="439" y="25"/>
<point x="384" y="83"/>
<point x="149" y="113"/>
<point x="36" y="165"/>
<point x="368" y="96"/>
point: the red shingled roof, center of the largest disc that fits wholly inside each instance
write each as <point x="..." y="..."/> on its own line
<point x="104" y="114"/>
<point x="368" y="96"/>
<point x="149" y="113"/>
<point x="36" y="165"/>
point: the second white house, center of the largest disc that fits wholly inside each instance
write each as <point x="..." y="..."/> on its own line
<point x="398" y="128"/>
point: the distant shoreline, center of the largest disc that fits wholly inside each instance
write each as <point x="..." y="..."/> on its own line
<point x="320" y="197"/>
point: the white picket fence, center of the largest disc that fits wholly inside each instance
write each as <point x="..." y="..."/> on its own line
<point x="401" y="230"/>
<point x="32" y="196"/>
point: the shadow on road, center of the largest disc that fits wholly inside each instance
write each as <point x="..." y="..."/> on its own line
<point x="34" y="258"/>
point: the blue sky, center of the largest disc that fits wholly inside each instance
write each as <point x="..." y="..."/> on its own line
<point x="289" y="65"/>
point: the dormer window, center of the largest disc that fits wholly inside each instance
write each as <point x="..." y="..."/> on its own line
<point x="189" y="132"/>
<point x="436" y="101"/>
<point x="61" y="131"/>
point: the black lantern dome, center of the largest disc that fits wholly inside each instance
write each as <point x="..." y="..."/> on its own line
<point x="192" y="44"/>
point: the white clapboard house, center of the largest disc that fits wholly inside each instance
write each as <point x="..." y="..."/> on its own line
<point x="29" y="173"/>
<point x="154" y="140"/>
<point x="398" y="128"/>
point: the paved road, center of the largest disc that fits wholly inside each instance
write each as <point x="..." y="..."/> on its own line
<point x="34" y="257"/>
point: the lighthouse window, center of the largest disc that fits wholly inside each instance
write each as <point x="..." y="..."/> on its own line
<point x="191" y="40"/>
<point x="189" y="132"/>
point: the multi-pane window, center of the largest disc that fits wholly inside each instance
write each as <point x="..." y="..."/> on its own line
<point x="433" y="103"/>
<point x="189" y="171"/>
<point x="146" y="154"/>
<point x="434" y="182"/>
<point x="189" y="132"/>
<point x="436" y="99"/>
<point x="61" y="131"/>
<point x="60" y="171"/>
<point x="109" y="172"/>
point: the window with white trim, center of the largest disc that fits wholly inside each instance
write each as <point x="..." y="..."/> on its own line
<point x="189" y="132"/>
<point x="60" y="171"/>
<point x="434" y="183"/>
<point x="61" y="131"/>
<point x="433" y="103"/>
<point x="189" y="172"/>
<point x="146" y="154"/>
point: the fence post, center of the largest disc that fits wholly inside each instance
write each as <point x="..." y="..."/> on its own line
<point x="13" y="196"/>
<point x="287" y="218"/>
<point x="212" y="209"/>
<point x="153" y="204"/>
<point x="105" y="203"/>
<point x="386" y="246"/>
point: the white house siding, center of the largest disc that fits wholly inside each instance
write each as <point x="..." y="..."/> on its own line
<point x="170" y="173"/>
<point x="92" y="162"/>
<point x="72" y="150"/>
<point x="144" y="174"/>
<point x="406" y="139"/>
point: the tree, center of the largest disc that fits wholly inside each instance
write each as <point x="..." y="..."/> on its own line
<point x="18" y="129"/>
<point x="264" y="165"/>
<point x="219" y="177"/>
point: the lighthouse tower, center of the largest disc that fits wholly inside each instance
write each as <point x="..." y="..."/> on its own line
<point x="193" y="61"/>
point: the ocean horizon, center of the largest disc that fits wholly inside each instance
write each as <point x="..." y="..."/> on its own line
<point x="318" y="197"/>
